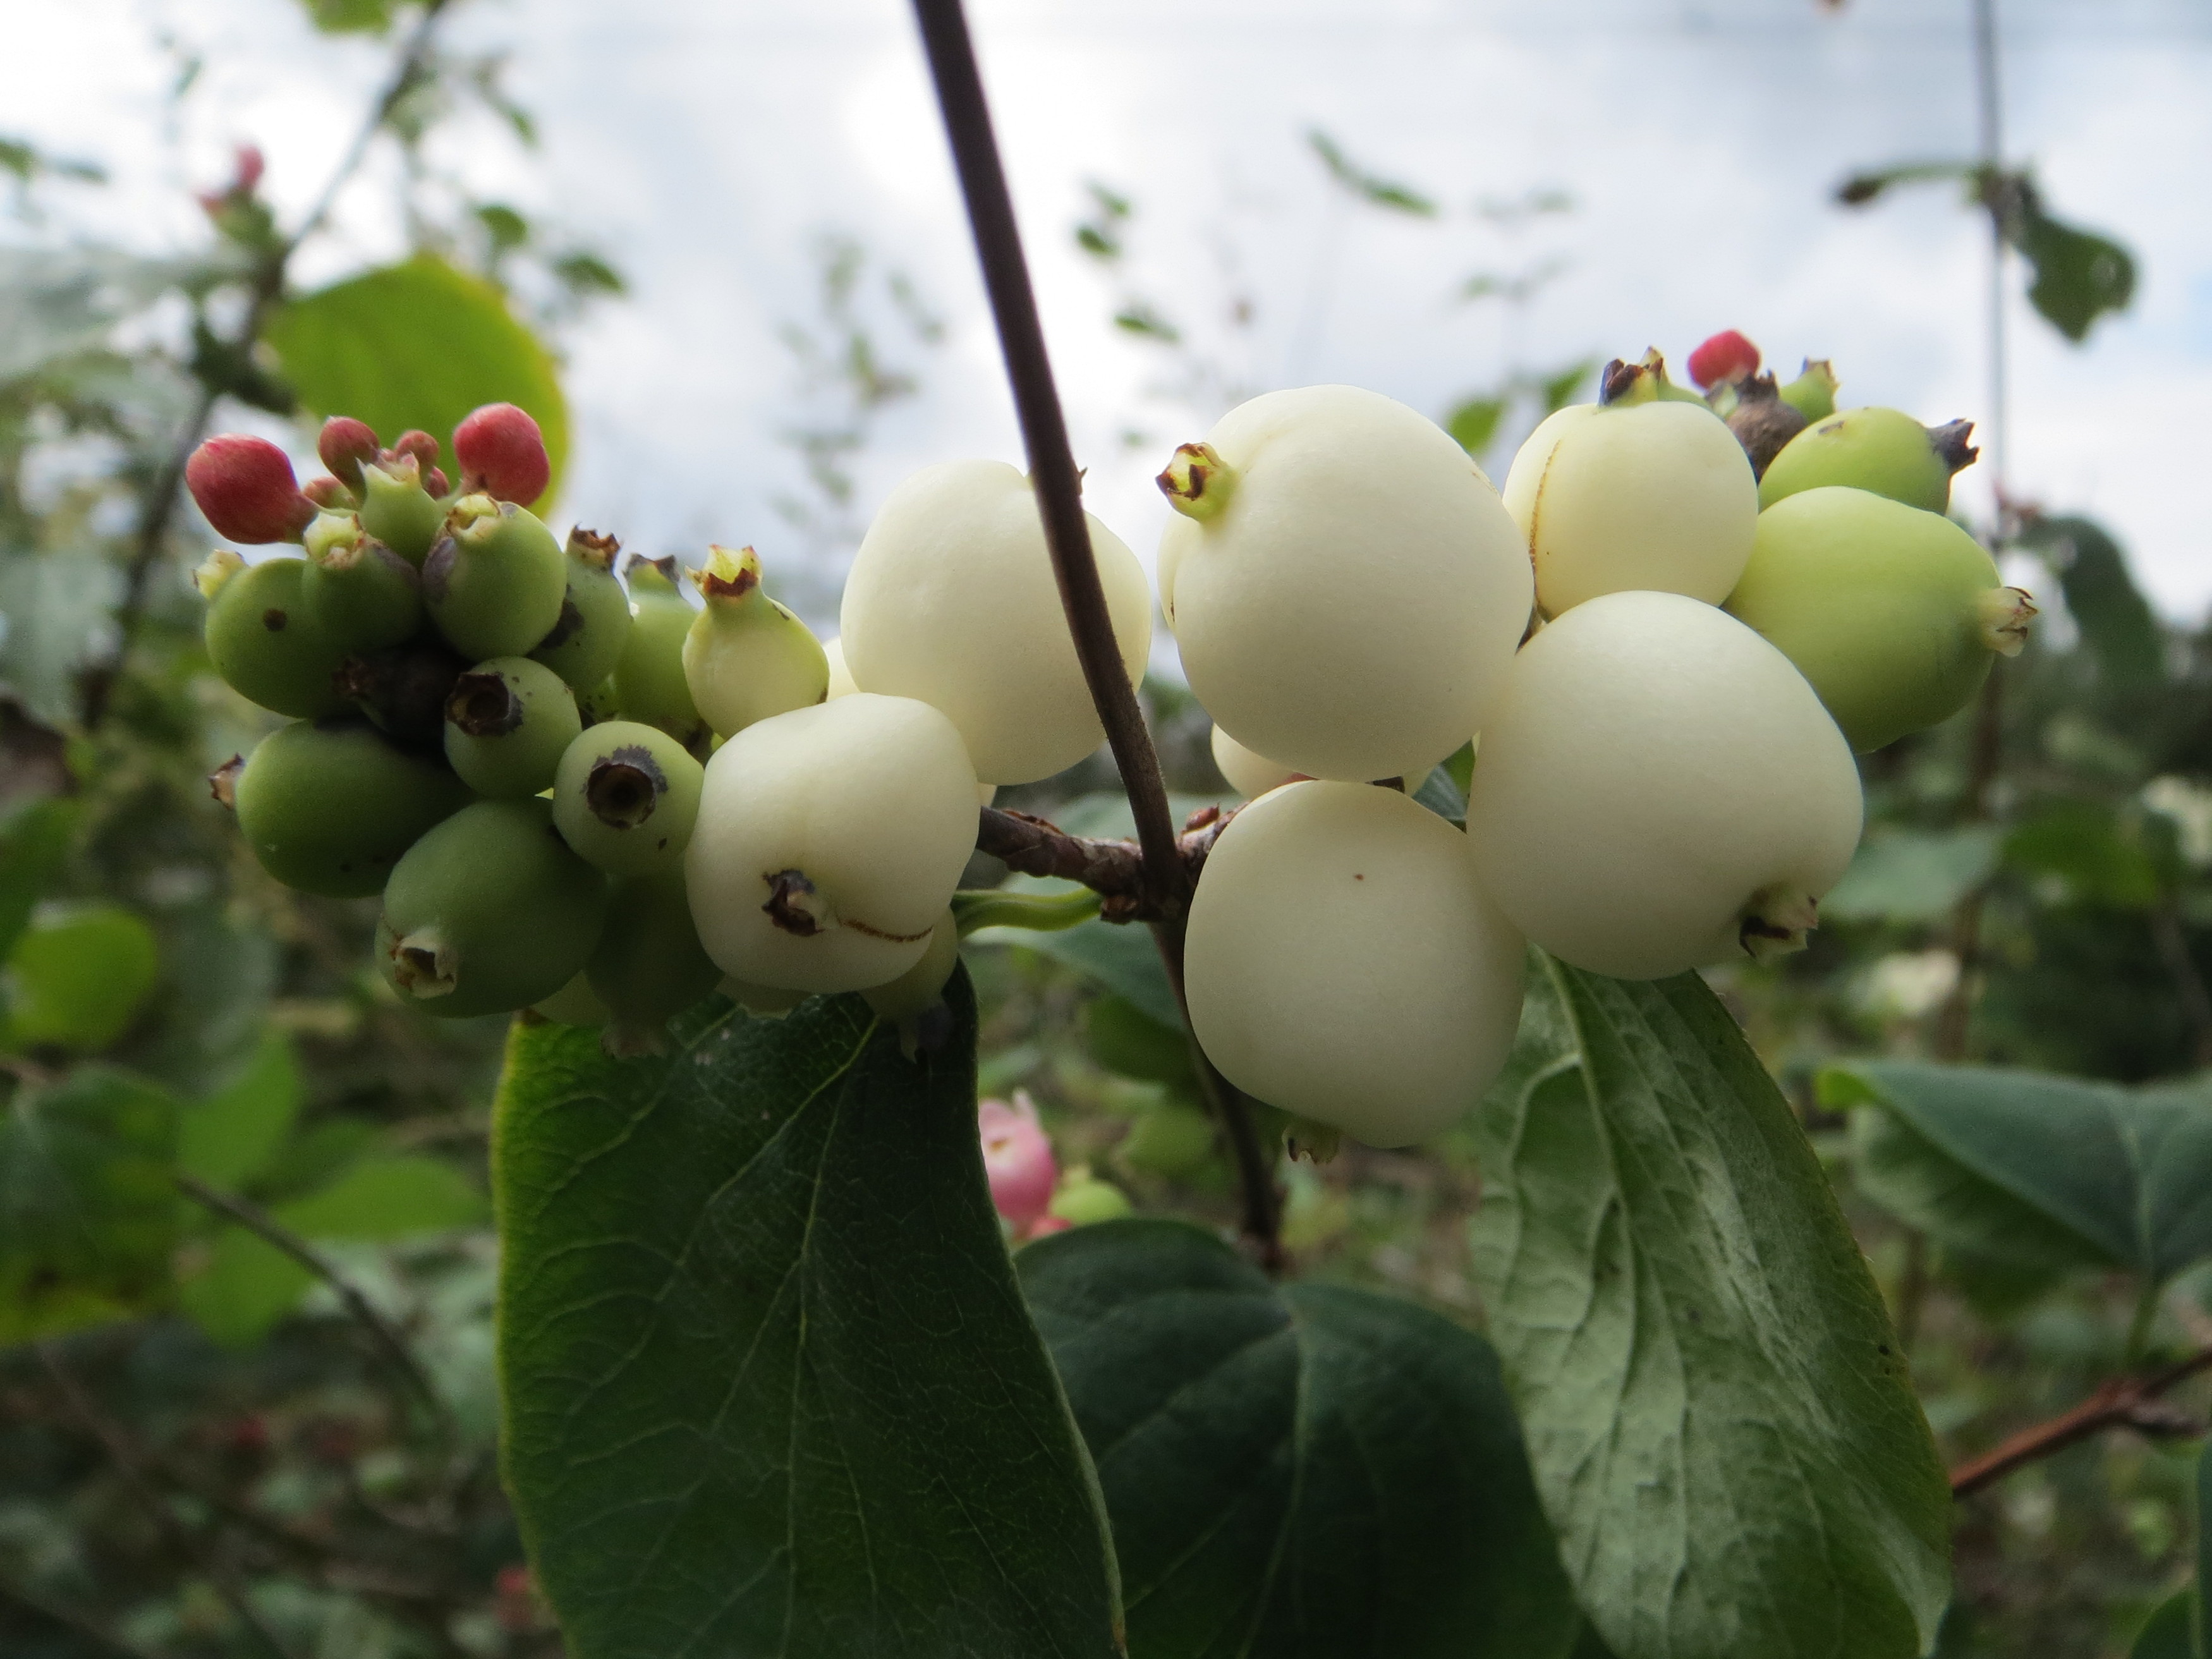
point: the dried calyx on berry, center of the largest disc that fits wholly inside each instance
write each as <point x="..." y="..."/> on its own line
<point x="746" y="657"/>
<point x="245" y="489"/>
<point x="503" y="453"/>
<point x="1761" y="420"/>
<point x="625" y="797"/>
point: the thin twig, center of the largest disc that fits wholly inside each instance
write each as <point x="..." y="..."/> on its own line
<point x="389" y="1341"/>
<point x="122" y="1453"/>
<point x="163" y="494"/>
<point x="1115" y="870"/>
<point x="2124" y="1402"/>
<point x="1044" y="435"/>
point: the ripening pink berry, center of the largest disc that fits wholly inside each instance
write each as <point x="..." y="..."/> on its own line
<point x="502" y="453"/>
<point x="416" y="442"/>
<point x="329" y="495"/>
<point x="346" y="445"/>
<point x="1726" y="357"/>
<point x="1017" y="1159"/>
<point x="245" y="489"/>
<point x="250" y="164"/>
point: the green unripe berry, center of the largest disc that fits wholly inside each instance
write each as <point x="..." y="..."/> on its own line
<point x="494" y="582"/>
<point x="329" y="806"/>
<point x="1167" y="1140"/>
<point x="761" y="1001"/>
<point x="626" y="796"/>
<point x="922" y="986"/>
<point x="397" y="510"/>
<point x="574" y="1003"/>
<point x="587" y="642"/>
<point x="489" y="912"/>
<point x="362" y="593"/>
<point x="649" y="966"/>
<point x="1813" y="394"/>
<point x="745" y="657"/>
<point x="507" y="723"/>
<point x="1893" y="615"/>
<point x="403" y="688"/>
<point x="1082" y="1198"/>
<point x="264" y="641"/>
<point x="649" y="681"/>
<point x="599" y="705"/>
<point x="1883" y="450"/>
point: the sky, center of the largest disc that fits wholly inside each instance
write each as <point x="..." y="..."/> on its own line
<point x="709" y="146"/>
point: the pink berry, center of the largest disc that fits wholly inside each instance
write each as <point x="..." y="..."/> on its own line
<point x="502" y="453"/>
<point x="346" y="445"/>
<point x="1726" y="357"/>
<point x="245" y="489"/>
<point x="250" y="164"/>
<point x="418" y="443"/>
<point x="329" y="495"/>
<point x="1017" y="1159"/>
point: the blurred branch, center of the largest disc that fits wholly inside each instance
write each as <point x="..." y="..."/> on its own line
<point x="387" y="1337"/>
<point x="158" y="509"/>
<point x="116" y="1441"/>
<point x="2124" y="1402"/>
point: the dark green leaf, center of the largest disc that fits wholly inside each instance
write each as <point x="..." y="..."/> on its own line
<point x="1441" y="794"/>
<point x="32" y="848"/>
<point x="2095" y="857"/>
<point x="418" y="345"/>
<point x="1912" y="875"/>
<point x="1474" y="423"/>
<point x="1119" y="955"/>
<point x="1139" y="318"/>
<point x="1312" y="1470"/>
<point x="2079" y="275"/>
<point x="584" y="273"/>
<point x="88" y="1208"/>
<point x="384" y="1198"/>
<point x="1722" y="1431"/>
<point x="770" y="1385"/>
<point x="506" y="230"/>
<point x="77" y="977"/>
<point x="243" y="1287"/>
<point x="2124" y="1174"/>
<point x="1127" y="1040"/>
<point x="2171" y="1633"/>
<point x="229" y="1137"/>
<point x="2116" y="623"/>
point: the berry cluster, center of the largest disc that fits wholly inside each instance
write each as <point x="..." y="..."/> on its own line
<point x="1666" y="637"/>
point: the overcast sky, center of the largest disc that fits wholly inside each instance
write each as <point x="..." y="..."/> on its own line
<point x="708" y="145"/>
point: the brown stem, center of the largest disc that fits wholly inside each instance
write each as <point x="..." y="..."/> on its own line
<point x="1115" y="870"/>
<point x="179" y="1545"/>
<point x="2124" y="1402"/>
<point x="388" y="1341"/>
<point x="159" y="508"/>
<point x="1053" y="472"/>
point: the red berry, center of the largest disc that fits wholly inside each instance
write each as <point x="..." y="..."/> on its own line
<point x="245" y="489"/>
<point x="502" y="453"/>
<point x="1727" y="356"/>
<point x="434" y="480"/>
<point x="346" y="445"/>
<point x="416" y="442"/>
<point x="329" y="495"/>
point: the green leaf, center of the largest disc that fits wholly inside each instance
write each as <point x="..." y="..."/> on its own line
<point x="769" y="1385"/>
<point x="1127" y="1040"/>
<point x="32" y="849"/>
<point x="418" y="345"/>
<point x="1723" y="1430"/>
<point x="230" y="1137"/>
<point x="1441" y="794"/>
<point x="245" y="1286"/>
<point x="1369" y="187"/>
<point x="1119" y="955"/>
<point x="1560" y="388"/>
<point x="77" y="977"/>
<point x="2171" y="1633"/>
<point x="87" y="1210"/>
<point x="1308" y="1470"/>
<point x="2121" y="1177"/>
<point x="1474" y="424"/>
<point x="380" y="1199"/>
<point x="1912" y="875"/>
<point x="2079" y="275"/>
<point x="55" y="302"/>
<point x="349" y="16"/>
<point x="2118" y="625"/>
<point x="2093" y="856"/>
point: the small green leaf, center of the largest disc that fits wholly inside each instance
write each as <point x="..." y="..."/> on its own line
<point x="1722" y="1428"/>
<point x="2098" y="1174"/>
<point x="349" y="16"/>
<point x="506" y="230"/>
<point x="1305" y="1471"/>
<point x="1369" y="187"/>
<point x="230" y="1137"/>
<point x="1473" y="425"/>
<point x="769" y="1385"/>
<point x="245" y="1285"/>
<point x="418" y="345"/>
<point x="2116" y="623"/>
<point x="88" y="1208"/>
<point x="1912" y="875"/>
<point x="2079" y="275"/>
<point x="1127" y="1040"/>
<point x="77" y="976"/>
<point x="384" y="1198"/>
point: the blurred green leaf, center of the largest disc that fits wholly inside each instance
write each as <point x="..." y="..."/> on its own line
<point x="506" y="228"/>
<point x="77" y="977"/>
<point x="768" y="1384"/>
<point x="1122" y="956"/>
<point x="230" y="1137"/>
<point x="2116" y="623"/>
<point x="1440" y="792"/>
<point x="2083" y="844"/>
<point x="1473" y="425"/>
<point x="88" y="1206"/>
<point x="1560" y="389"/>
<point x="349" y="16"/>
<point x="32" y="848"/>
<point x="381" y="1199"/>
<point x="583" y="273"/>
<point x="1170" y="1139"/>
<point x="1369" y="187"/>
<point x="55" y="302"/>
<point x="418" y="345"/>
<point x="2043" y="1167"/>
<point x="1127" y="1040"/>
<point x="316" y="1156"/>
<point x="1911" y="875"/>
<point x="2171" y="1633"/>
<point x="245" y="1285"/>
<point x="2080" y="276"/>
<point x="214" y="997"/>
<point x="58" y="604"/>
<point x="1298" y="1470"/>
<point x="1139" y="318"/>
<point x="1721" y="1426"/>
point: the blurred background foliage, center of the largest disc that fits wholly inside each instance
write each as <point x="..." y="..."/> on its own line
<point x="247" y="1401"/>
